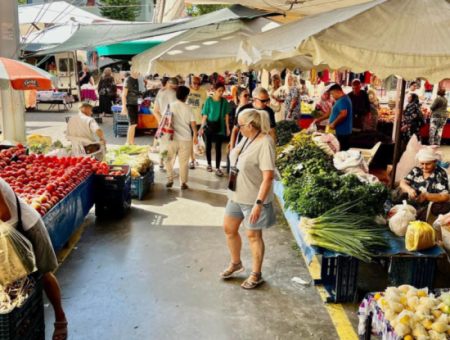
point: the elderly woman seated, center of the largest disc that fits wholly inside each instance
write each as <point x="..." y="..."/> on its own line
<point x="426" y="183"/>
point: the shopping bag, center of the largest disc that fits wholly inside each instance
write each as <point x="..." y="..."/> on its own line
<point x="350" y="162"/>
<point x="199" y="148"/>
<point x="312" y="128"/>
<point x="419" y="236"/>
<point x="400" y="221"/>
<point x="16" y="255"/>
<point x="327" y="142"/>
<point x="165" y="129"/>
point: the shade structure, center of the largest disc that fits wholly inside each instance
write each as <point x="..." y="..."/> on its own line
<point x="402" y="37"/>
<point x="203" y="50"/>
<point x="23" y="76"/>
<point x="91" y="36"/>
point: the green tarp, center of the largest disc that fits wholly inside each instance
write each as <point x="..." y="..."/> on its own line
<point x="126" y="50"/>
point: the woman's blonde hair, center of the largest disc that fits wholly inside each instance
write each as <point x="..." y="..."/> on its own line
<point x="107" y="72"/>
<point x="258" y="118"/>
<point x="295" y="80"/>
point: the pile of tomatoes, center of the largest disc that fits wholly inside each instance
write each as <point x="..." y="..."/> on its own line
<point x="42" y="181"/>
<point x="103" y="169"/>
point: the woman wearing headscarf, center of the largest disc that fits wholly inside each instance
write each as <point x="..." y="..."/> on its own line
<point x="413" y="120"/>
<point x="293" y="101"/>
<point x="277" y="95"/>
<point x="426" y="183"/>
<point x="372" y="122"/>
<point x="325" y="104"/>
<point x="107" y="91"/>
<point x="438" y="117"/>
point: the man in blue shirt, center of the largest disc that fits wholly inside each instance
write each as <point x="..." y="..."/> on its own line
<point x="85" y="76"/>
<point x="341" y="117"/>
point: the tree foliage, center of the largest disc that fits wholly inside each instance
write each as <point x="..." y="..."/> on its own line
<point x="198" y="10"/>
<point x="22" y="2"/>
<point x="129" y="10"/>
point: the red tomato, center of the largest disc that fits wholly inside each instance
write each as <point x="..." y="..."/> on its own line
<point x="50" y="187"/>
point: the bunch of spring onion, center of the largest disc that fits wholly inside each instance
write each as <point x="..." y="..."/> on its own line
<point x="345" y="232"/>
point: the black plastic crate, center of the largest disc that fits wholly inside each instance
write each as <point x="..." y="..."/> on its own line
<point x="113" y="182"/>
<point x="117" y="209"/>
<point x="26" y="322"/>
<point x="141" y="185"/>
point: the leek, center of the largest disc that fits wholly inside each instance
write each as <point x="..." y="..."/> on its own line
<point x="345" y="232"/>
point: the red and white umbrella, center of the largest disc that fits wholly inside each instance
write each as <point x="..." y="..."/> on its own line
<point x="23" y="76"/>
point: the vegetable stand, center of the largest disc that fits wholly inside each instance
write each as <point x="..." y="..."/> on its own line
<point x="66" y="216"/>
<point x="339" y="272"/>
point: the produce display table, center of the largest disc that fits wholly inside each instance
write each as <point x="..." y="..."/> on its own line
<point x="339" y="272"/>
<point x="88" y="94"/>
<point x="54" y="99"/>
<point x="68" y="215"/>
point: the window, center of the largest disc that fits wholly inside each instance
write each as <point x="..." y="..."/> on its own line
<point x="64" y="65"/>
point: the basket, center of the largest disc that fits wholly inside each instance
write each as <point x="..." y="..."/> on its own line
<point x="141" y="185"/>
<point x="118" y="118"/>
<point x="102" y="182"/>
<point x="113" y="209"/>
<point x="120" y="129"/>
<point x="26" y="322"/>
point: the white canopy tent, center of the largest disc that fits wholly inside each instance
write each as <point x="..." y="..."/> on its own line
<point x="201" y="50"/>
<point x="402" y="37"/>
<point x="407" y="38"/>
<point x="303" y="7"/>
<point x="58" y="12"/>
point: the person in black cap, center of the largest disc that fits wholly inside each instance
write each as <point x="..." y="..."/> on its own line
<point x="360" y="104"/>
<point x="341" y="117"/>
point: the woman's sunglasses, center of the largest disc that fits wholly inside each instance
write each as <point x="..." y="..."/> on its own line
<point x="264" y="100"/>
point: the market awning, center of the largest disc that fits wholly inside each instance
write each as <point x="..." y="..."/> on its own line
<point x="57" y="12"/>
<point x="90" y="36"/>
<point x="383" y="36"/>
<point x="126" y="50"/>
<point x="202" y="50"/>
<point x="301" y="7"/>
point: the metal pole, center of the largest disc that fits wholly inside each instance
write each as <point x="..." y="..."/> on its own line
<point x="76" y="75"/>
<point x="399" y="116"/>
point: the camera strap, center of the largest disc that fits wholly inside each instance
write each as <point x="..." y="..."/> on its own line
<point x="243" y="148"/>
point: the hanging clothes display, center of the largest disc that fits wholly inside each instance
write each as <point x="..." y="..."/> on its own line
<point x="313" y="79"/>
<point x="367" y="77"/>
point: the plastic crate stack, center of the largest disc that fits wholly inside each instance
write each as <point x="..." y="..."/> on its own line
<point x="26" y="322"/>
<point x="120" y="122"/>
<point x="140" y="186"/>
<point x="112" y="194"/>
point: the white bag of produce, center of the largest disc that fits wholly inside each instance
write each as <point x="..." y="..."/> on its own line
<point x="400" y="221"/>
<point x="327" y="142"/>
<point x="350" y="162"/>
<point x="312" y="128"/>
<point x="199" y="149"/>
<point x="16" y="255"/>
<point x="441" y="221"/>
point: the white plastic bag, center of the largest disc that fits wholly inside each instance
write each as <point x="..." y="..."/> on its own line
<point x="312" y="128"/>
<point x="350" y="162"/>
<point x="199" y="149"/>
<point x="441" y="221"/>
<point x="327" y="142"/>
<point x="16" y="255"/>
<point x="400" y="221"/>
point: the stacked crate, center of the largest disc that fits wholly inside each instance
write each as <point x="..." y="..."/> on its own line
<point x="120" y="122"/>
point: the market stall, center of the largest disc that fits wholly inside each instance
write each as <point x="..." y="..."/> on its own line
<point x="310" y="188"/>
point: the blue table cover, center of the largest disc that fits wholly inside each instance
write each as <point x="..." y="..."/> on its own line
<point x="396" y="243"/>
<point x="68" y="215"/>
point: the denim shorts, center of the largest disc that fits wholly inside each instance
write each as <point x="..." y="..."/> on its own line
<point x="266" y="219"/>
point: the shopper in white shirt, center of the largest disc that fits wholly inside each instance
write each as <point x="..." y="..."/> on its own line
<point x="162" y="101"/>
<point x="181" y="144"/>
<point x="29" y="222"/>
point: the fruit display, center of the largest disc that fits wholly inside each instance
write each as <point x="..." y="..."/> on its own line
<point x="307" y="108"/>
<point x="387" y="115"/>
<point x="415" y="314"/>
<point x="133" y="155"/>
<point x="42" y="181"/>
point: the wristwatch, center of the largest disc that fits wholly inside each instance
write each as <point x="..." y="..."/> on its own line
<point x="259" y="202"/>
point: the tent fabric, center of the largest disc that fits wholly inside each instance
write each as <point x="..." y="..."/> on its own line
<point x="57" y="12"/>
<point x="202" y="50"/>
<point x="402" y="37"/>
<point x="47" y="38"/>
<point x="303" y="7"/>
<point x="90" y="36"/>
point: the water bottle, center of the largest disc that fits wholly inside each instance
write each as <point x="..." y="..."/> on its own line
<point x="387" y="208"/>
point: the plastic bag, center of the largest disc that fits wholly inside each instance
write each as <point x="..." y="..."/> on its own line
<point x="400" y="221"/>
<point x="199" y="149"/>
<point x="441" y="221"/>
<point x="312" y="128"/>
<point x="326" y="142"/>
<point x="394" y="210"/>
<point x="350" y="162"/>
<point x="419" y="236"/>
<point x="16" y="255"/>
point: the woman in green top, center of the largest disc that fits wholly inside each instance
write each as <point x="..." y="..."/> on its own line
<point x="215" y="125"/>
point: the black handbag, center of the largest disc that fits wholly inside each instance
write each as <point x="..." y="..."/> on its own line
<point x="214" y="127"/>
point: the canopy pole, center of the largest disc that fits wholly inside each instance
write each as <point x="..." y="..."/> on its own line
<point x="76" y="76"/>
<point x="398" y="142"/>
<point x="239" y="78"/>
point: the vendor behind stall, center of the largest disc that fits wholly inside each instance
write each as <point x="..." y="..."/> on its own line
<point x="426" y="183"/>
